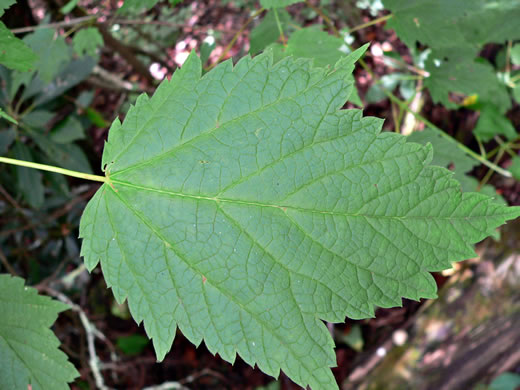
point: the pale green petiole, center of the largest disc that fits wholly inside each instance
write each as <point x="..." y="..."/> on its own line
<point x="54" y="169"/>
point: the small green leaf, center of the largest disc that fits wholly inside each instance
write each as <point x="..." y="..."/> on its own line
<point x="96" y="117"/>
<point x="516" y="93"/>
<point x="7" y="137"/>
<point x="491" y="123"/>
<point x="267" y="31"/>
<point x="28" y="181"/>
<point x="137" y="6"/>
<point x="29" y="354"/>
<point x="515" y="54"/>
<point x="311" y="42"/>
<point x="38" y="118"/>
<point x="354" y="338"/>
<point x="86" y="41"/>
<point x="67" y="8"/>
<point x="457" y="74"/>
<point x="505" y="381"/>
<point x="14" y="53"/>
<point x="53" y="52"/>
<point x="7" y="117"/>
<point x="67" y="156"/>
<point x="68" y="130"/>
<point x="4" y="4"/>
<point x="245" y="208"/>
<point x="278" y="3"/>
<point x="132" y="345"/>
<point x="515" y="167"/>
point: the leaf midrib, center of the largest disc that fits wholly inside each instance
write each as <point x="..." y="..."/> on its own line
<point x="285" y="207"/>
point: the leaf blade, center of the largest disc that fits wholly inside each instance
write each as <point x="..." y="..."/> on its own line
<point x="244" y="207"/>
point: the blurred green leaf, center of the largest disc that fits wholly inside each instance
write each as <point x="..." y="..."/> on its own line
<point x="278" y="3"/>
<point x="311" y="42"/>
<point x="505" y="381"/>
<point x="267" y="30"/>
<point x="14" y="53"/>
<point x="53" y="52"/>
<point x="454" y="72"/>
<point x="68" y="130"/>
<point x="68" y="156"/>
<point x="132" y="345"/>
<point x="354" y="338"/>
<point x="67" y="8"/>
<point x="28" y="181"/>
<point x="515" y="167"/>
<point x="4" y="4"/>
<point x="7" y="117"/>
<point x="136" y="6"/>
<point x="86" y="41"/>
<point x="207" y="47"/>
<point x="96" y="117"/>
<point x="515" y="54"/>
<point x="38" y="118"/>
<point x="7" y="137"/>
<point x="491" y="123"/>
<point x="516" y="93"/>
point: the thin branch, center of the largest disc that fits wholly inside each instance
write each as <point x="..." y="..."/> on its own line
<point x="371" y="23"/>
<point x="421" y="118"/>
<point x="279" y="25"/>
<point x="6" y="264"/>
<point x="64" y="23"/>
<point x="91" y="331"/>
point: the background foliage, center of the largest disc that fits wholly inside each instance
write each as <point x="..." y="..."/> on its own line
<point x="69" y="68"/>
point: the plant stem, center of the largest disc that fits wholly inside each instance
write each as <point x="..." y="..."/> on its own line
<point x="279" y="25"/>
<point x="464" y="148"/>
<point x="66" y="23"/>
<point x="371" y="23"/>
<point x="419" y="117"/>
<point x="230" y="44"/>
<point x="51" y="168"/>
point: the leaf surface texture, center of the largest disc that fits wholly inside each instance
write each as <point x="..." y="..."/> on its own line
<point x="244" y="207"/>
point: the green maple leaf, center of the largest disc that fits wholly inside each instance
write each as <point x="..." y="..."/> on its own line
<point x="29" y="353"/>
<point x="244" y="207"/>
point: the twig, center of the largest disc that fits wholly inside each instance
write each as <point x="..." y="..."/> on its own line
<point x="421" y="118"/>
<point x="411" y="68"/>
<point x="235" y="37"/>
<point x="6" y="264"/>
<point x="91" y="331"/>
<point x="371" y="23"/>
<point x="113" y="79"/>
<point x="279" y="25"/>
<point x="167" y="386"/>
<point x="64" y="23"/>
